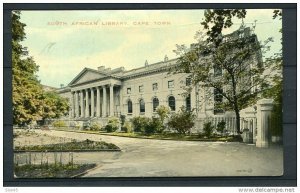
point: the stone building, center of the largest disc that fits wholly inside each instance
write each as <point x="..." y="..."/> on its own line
<point x="96" y="94"/>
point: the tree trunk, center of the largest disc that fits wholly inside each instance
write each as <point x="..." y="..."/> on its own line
<point x="238" y="125"/>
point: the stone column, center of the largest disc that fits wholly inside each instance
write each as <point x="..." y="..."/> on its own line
<point x="76" y="105"/>
<point x="264" y="109"/>
<point x="92" y="103"/>
<point x="111" y="100"/>
<point x="86" y="103"/>
<point x="81" y="104"/>
<point x="98" y="102"/>
<point x="73" y="104"/>
<point x="104" y="104"/>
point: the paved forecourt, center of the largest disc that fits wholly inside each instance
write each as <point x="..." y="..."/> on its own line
<point x="149" y="157"/>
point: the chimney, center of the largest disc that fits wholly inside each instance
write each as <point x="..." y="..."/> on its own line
<point x="146" y="63"/>
<point x="166" y="58"/>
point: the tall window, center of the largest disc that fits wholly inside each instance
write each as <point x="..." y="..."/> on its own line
<point x="155" y="104"/>
<point x="218" y="99"/>
<point x="142" y="106"/>
<point x="171" y="84"/>
<point x="172" y="103"/>
<point x="188" y="102"/>
<point x="128" y="90"/>
<point x="154" y="87"/>
<point x="129" y="103"/>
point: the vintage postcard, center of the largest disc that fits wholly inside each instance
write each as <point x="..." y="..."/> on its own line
<point x="147" y="93"/>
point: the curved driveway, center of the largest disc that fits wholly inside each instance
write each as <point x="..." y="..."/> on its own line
<point x="148" y="157"/>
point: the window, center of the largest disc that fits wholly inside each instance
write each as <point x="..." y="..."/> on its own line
<point x="172" y="103"/>
<point x="188" y="103"/>
<point x="188" y="81"/>
<point x="154" y="87"/>
<point x="218" y="98"/>
<point x="128" y="90"/>
<point x="129" y="103"/>
<point x="171" y="84"/>
<point x="142" y="106"/>
<point x="217" y="71"/>
<point x="155" y="103"/>
<point x="141" y="88"/>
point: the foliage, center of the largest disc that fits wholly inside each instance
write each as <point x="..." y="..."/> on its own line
<point x="59" y="124"/>
<point x="220" y="19"/>
<point x="221" y="126"/>
<point x="139" y="123"/>
<point x="50" y="170"/>
<point x="154" y="125"/>
<point x="182" y="121"/>
<point x="127" y="127"/>
<point x="95" y="127"/>
<point x="112" y="125"/>
<point x="237" y="56"/>
<point x="85" y="145"/>
<point x="54" y="106"/>
<point x="208" y="129"/>
<point x="122" y="119"/>
<point x="163" y="112"/>
<point x="30" y="103"/>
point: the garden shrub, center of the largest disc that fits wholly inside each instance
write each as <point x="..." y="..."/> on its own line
<point x="221" y="126"/>
<point x="154" y="125"/>
<point x="95" y="127"/>
<point x="182" y="122"/>
<point x="59" y="124"/>
<point x="112" y="125"/>
<point x="208" y="129"/>
<point x="139" y="123"/>
<point x="127" y="127"/>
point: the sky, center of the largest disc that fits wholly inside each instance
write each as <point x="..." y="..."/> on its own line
<point x="63" y="43"/>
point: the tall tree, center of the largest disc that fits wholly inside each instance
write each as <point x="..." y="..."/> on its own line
<point x="29" y="99"/>
<point x="229" y="67"/>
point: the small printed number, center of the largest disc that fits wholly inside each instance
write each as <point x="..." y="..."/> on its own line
<point x="11" y="189"/>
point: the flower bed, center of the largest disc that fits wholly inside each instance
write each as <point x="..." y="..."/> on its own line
<point x="86" y="145"/>
<point x="51" y="170"/>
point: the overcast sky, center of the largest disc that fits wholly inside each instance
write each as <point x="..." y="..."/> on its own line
<point x="64" y="42"/>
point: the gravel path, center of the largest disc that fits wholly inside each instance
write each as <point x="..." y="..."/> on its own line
<point x="148" y="157"/>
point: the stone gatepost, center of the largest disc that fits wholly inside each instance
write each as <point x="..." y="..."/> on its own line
<point x="264" y="109"/>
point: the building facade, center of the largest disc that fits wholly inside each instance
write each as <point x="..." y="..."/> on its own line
<point x="96" y="94"/>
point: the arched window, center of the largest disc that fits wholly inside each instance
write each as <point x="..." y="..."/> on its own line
<point x="188" y="103"/>
<point x="172" y="103"/>
<point x="129" y="103"/>
<point x="142" y="106"/>
<point x="155" y="103"/>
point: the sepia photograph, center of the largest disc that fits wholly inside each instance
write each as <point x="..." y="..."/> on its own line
<point x="147" y="93"/>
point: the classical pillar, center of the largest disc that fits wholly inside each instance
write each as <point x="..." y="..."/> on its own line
<point x="264" y="110"/>
<point x="72" y="105"/>
<point x="111" y="100"/>
<point x="81" y="104"/>
<point x="98" y="102"/>
<point x="86" y="103"/>
<point x="92" y="103"/>
<point x="76" y="104"/>
<point x="104" y="104"/>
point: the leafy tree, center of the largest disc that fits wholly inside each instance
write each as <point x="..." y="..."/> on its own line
<point x="229" y="66"/>
<point x="27" y="91"/>
<point x="220" y="19"/>
<point x="182" y="121"/>
<point x="30" y="102"/>
<point x="54" y="106"/>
